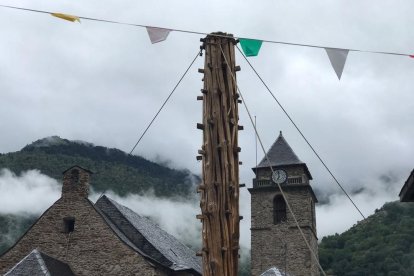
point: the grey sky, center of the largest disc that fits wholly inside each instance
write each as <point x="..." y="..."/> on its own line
<point x="102" y="83"/>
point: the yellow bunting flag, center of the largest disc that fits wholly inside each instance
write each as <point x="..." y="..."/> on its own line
<point x="66" y="17"/>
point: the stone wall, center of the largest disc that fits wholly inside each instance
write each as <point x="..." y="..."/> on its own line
<point x="76" y="182"/>
<point x="91" y="249"/>
<point x="292" y="171"/>
<point x="282" y="245"/>
<point x="283" y="248"/>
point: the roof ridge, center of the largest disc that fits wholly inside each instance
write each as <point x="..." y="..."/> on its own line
<point x="41" y="262"/>
<point x="182" y="258"/>
<point x="134" y="246"/>
<point x="38" y="257"/>
<point x="106" y="217"/>
<point x="21" y="261"/>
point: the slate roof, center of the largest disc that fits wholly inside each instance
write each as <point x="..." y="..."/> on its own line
<point x="147" y="238"/>
<point x="281" y="154"/>
<point x="407" y="191"/>
<point x="79" y="167"/>
<point x="274" y="271"/>
<point x="40" y="264"/>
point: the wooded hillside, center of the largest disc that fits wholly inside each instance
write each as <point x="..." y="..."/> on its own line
<point x="113" y="169"/>
<point x="383" y="244"/>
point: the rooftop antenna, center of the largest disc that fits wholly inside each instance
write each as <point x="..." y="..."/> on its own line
<point x="255" y="137"/>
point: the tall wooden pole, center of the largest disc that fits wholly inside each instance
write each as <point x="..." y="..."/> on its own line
<point x="220" y="158"/>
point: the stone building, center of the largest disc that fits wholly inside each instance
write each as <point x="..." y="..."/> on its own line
<point x="275" y="238"/>
<point x="78" y="237"/>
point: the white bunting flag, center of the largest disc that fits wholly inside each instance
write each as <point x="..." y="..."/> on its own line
<point x="157" y="34"/>
<point x="338" y="59"/>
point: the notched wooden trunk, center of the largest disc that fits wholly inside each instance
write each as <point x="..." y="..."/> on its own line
<point x="220" y="158"/>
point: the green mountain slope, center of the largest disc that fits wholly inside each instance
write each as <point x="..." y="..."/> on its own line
<point x="113" y="169"/>
<point x="383" y="244"/>
<point x="12" y="227"/>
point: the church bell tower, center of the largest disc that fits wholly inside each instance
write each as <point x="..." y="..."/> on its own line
<point x="275" y="238"/>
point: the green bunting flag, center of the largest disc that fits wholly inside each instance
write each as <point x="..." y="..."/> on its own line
<point x="251" y="47"/>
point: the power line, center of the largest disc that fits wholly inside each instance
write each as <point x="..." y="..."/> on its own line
<point x="217" y="35"/>
<point x="159" y="110"/>
<point x="271" y="168"/>
<point x="226" y="36"/>
<point x="163" y="104"/>
<point x="300" y="132"/>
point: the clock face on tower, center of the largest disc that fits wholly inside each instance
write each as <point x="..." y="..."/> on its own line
<point x="279" y="176"/>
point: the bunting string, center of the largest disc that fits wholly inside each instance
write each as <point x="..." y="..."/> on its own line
<point x="314" y="254"/>
<point x="301" y="133"/>
<point x="164" y="30"/>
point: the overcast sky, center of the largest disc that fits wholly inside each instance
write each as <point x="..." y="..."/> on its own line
<point x="103" y="83"/>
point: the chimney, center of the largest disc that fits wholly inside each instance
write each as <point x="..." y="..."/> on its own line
<point x="76" y="182"/>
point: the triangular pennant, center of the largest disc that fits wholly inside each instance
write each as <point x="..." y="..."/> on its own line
<point x="157" y="34"/>
<point x="66" y="17"/>
<point x="337" y="58"/>
<point x="251" y="47"/>
<point x="411" y="56"/>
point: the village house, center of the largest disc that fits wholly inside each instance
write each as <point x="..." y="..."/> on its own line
<point x="76" y="237"/>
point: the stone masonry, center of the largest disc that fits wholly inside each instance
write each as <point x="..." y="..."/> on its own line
<point x="91" y="249"/>
<point x="281" y="244"/>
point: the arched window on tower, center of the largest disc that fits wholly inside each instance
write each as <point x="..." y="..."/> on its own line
<point x="279" y="209"/>
<point x="313" y="222"/>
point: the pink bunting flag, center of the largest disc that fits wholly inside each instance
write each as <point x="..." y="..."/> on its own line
<point x="411" y="56"/>
<point x="157" y="34"/>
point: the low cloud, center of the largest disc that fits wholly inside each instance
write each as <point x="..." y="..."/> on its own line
<point x="32" y="192"/>
<point x="174" y="216"/>
<point x="337" y="214"/>
<point x="29" y="193"/>
<point x="178" y="216"/>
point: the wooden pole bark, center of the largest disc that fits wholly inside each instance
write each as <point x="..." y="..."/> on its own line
<point x="220" y="159"/>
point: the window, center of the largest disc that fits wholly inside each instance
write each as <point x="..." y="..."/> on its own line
<point x="68" y="225"/>
<point x="295" y="180"/>
<point x="313" y="214"/>
<point x="279" y="209"/>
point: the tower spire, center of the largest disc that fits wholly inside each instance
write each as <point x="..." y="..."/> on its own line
<point x="273" y="229"/>
<point x="281" y="154"/>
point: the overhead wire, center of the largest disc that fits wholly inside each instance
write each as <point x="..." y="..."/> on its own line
<point x="301" y="133"/>
<point x="239" y="37"/>
<point x="271" y="168"/>
<point x="160" y="109"/>
<point x="217" y="35"/>
<point x="227" y="36"/>
<point x="164" y="103"/>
